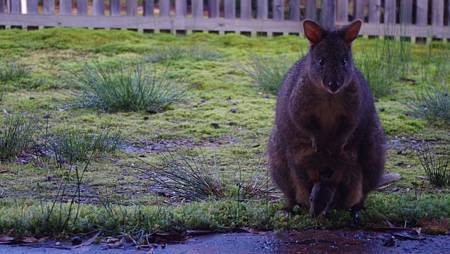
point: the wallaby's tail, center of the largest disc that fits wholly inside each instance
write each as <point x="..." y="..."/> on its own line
<point x="389" y="178"/>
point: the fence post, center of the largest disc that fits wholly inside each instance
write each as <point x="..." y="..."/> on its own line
<point x="390" y="7"/>
<point x="213" y="8"/>
<point x="422" y="13"/>
<point x="164" y="8"/>
<point x="359" y="9"/>
<point x="197" y="8"/>
<point x="230" y="9"/>
<point x="294" y="10"/>
<point x="342" y="11"/>
<point x="406" y="12"/>
<point x="311" y="10"/>
<point x="438" y="13"/>
<point x="180" y="8"/>
<point x="246" y="9"/>
<point x="131" y="7"/>
<point x="374" y="11"/>
<point x="262" y="9"/>
<point x="15" y="7"/>
<point x="65" y="7"/>
<point x="278" y="9"/>
<point x="82" y="7"/>
<point x="328" y="14"/>
<point x="32" y="6"/>
<point x="114" y="7"/>
<point x="149" y="5"/>
<point x="99" y="7"/>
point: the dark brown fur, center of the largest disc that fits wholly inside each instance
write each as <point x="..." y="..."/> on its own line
<point x="326" y="122"/>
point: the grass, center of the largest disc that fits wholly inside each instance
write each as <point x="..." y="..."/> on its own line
<point x="224" y="115"/>
<point x="224" y="215"/>
<point x="193" y="53"/>
<point x="75" y="145"/>
<point x="16" y="135"/>
<point x="268" y="72"/>
<point x="127" y="88"/>
<point x="13" y="71"/>
<point x="433" y="104"/>
<point x="384" y="66"/>
<point x="435" y="166"/>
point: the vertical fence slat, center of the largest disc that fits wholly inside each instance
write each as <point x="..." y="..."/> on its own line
<point x="82" y="7"/>
<point x="149" y="5"/>
<point x="406" y="11"/>
<point x="180" y="8"/>
<point x="311" y="10"/>
<point x="197" y="8"/>
<point x="131" y="7"/>
<point x="342" y="11"/>
<point x="15" y="7"/>
<point x="328" y="14"/>
<point x="2" y="6"/>
<point x="49" y="7"/>
<point x="114" y="7"/>
<point x="374" y="11"/>
<point x="438" y="13"/>
<point x="278" y="9"/>
<point x="99" y="7"/>
<point x="229" y="9"/>
<point x="294" y="10"/>
<point x="65" y="7"/>
<point x="164" y="8"/>
<point x="422" y="13"/>
<point x="213" y="8"/>
<point x="32" y="6"/>
<point x="390" y="7"/>
<point x="359" y="9"/>
<point x="262" y="9"/>
<point x="246" y="9"/>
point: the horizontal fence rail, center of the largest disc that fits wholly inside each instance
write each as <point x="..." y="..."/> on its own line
<point x="396" y="18"/>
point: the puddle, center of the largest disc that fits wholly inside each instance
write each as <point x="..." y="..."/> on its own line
<point x="307" y="241"/>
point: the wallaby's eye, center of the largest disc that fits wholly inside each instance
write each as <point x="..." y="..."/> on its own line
<point x="321" y="62"/>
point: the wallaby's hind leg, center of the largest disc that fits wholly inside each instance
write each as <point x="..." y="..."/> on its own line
<point x="281" y="173"/>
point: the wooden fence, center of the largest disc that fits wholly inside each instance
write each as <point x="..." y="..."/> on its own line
<point x="396" y="18"/>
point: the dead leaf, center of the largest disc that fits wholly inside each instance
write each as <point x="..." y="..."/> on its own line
<point x="88" y="242"/>
<point x="116" y="244"/>
<point x="29" y="239"/>
<point x="4" y="239"/>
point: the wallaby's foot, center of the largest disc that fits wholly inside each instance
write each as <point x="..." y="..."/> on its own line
<point x="356" y="217"/>
<point x="355" y="212"/>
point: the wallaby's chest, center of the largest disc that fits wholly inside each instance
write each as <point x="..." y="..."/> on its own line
<point x="328" y="112"/>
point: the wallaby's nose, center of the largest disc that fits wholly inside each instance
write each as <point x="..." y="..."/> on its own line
<point x="333" y="85"/>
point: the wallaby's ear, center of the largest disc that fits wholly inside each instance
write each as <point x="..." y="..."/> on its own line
<point x="351" y="31"/>
<point x="313" y="31"/>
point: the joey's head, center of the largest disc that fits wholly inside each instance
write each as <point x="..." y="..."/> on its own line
<point x="329" y="63"/>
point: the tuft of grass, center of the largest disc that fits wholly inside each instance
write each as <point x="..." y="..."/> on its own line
<point x="190" y="178"/>
<point x="73" y="145"/>
<point x="195" y="177"/>
<point x="13" y="71"/>
<point x="193" y="53"/>
<point x="384" y="66"/>
<point x="268" y="72"/>
<point x="435" y="166"/>
<point x="127" y="88"/>
<point x="16" y="135"/>
<point x="433" y="104"/>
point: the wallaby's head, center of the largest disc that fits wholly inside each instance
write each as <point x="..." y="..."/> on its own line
<point x="329" y="63"/>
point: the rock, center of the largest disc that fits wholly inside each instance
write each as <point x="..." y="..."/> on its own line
<point x="76" y="240"/>
<point x="233" y="110"/>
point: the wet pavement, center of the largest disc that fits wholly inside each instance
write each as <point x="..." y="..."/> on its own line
<point x="308" y="241"/>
